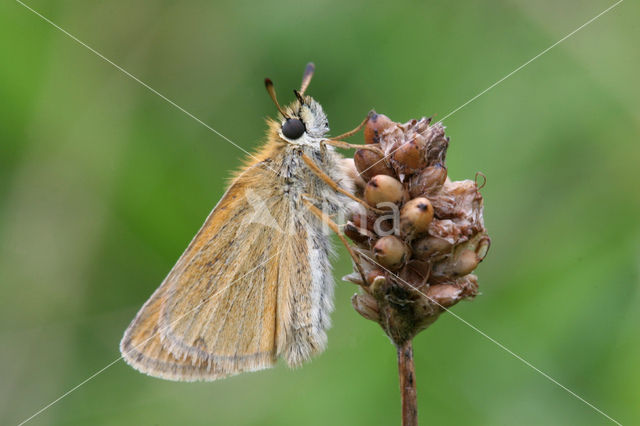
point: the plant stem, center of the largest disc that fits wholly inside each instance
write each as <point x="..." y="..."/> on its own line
<point x="407" y="372"/>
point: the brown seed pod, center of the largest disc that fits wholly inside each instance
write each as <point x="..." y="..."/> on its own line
<point x="376" y="124"/>
<point x="431" y="247"/>
<point x="383" y="188"/>
<point x="415" y="217"/>
<point x="428" y="181"/>
<point x="369" y="163"/>
<point x="391" y="252"/>
<point x="410" y="156"/>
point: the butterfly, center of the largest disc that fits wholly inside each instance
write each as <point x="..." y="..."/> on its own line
<point x="255" y="283"/>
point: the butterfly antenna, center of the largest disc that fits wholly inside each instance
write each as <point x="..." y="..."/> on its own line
<point x="306" y="77"/>
<point x="272" y="92"/>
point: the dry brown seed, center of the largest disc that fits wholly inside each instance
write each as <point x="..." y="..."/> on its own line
<point x="428" y="180"/>
<point x="383" y="188"/>
<point x="369" y="164"/>
<point x="391" y="252"/>
<point x="429" y="247"/>
<point x="376" y="124"/>
<point x="415" y="216"/>
<point x="410" y="157"/>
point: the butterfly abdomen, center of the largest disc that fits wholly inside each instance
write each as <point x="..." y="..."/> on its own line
<point x="307" y="302"/>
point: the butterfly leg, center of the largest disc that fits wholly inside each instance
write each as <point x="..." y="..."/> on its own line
<point x="346" y="145"/>
<point x="335" y="141"/>
<point x="327" y="179"/>
<point x="335" y="228"/>
<point x="356" y="130"/>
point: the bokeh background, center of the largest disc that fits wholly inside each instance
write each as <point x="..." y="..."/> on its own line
<point x="103" y="184"/>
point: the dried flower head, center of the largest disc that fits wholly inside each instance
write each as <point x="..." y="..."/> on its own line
<point x="419" y="256"/>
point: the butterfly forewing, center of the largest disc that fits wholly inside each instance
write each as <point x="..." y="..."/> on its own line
<point x="226" y="305"/>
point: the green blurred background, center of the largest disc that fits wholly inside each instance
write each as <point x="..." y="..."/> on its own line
<point x="103" y="184"/>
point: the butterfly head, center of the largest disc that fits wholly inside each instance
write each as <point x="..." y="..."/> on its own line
<point x="303" y="121"/>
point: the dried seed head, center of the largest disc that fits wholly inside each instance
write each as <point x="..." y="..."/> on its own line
<point x="415" y="217"/>
<point x="369" y="164"/>
<point x="438" y="235"/>
<point x="383" y="188"/>
<point x="391" y="252"/>
<point x="376" y="124"/>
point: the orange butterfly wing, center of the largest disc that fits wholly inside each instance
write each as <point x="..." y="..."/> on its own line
<point x="225" y="306"/>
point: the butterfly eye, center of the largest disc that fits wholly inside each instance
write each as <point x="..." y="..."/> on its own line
<point x="293" y="128"/>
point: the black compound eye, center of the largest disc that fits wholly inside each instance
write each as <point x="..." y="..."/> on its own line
<point x="293" y="128"/>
